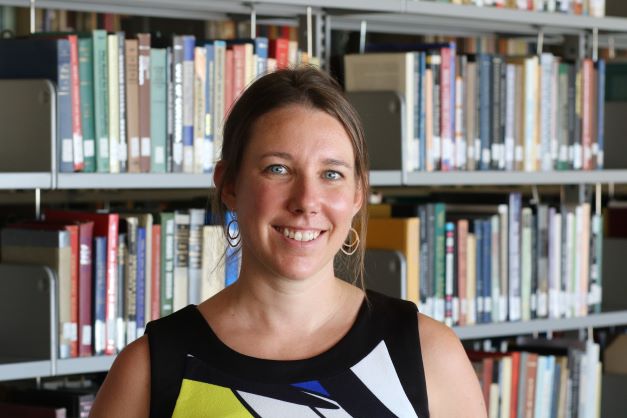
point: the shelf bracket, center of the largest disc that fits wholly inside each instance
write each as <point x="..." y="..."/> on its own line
<point x="540" y="42"/>
<point x="598" y="189"/>
<point x="38" y="203"/>
<point x="611" y="48"/>
<point x="309" y="34"/>
<point x="595" y="44"/>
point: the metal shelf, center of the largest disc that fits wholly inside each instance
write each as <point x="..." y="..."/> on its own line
<point x="134" y="181"/>
<point x="518" y="178"/>
<point x="506" y="329"/>
<point x="84" y="365"/>
<point x="386" y="178"/>
<point x="25" y="370"/>
<point x="16" y="181"/>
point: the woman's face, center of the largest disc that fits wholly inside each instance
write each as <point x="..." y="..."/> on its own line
<point x="296" y="193"/>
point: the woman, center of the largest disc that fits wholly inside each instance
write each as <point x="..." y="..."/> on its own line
<point x="289" y="339"/>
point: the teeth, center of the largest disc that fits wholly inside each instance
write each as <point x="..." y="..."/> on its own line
<point x="302" y="236"/>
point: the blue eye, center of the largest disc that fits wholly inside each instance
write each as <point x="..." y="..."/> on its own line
<point x="276" y="169"/>
<point x="332" y="175"/>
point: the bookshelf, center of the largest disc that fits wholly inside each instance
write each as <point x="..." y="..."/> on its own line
<point x="393" y="16"/>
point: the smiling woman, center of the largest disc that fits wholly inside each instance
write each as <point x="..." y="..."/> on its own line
<point x="288" y="338"/>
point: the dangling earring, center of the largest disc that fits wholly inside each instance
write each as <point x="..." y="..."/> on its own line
<point x="233" y="239"/>
<point x="350" y="249"/>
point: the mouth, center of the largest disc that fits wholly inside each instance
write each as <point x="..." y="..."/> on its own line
<point x="300" y="235"/>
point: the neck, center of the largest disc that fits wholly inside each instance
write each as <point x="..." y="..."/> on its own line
<point x="277" y="304"/>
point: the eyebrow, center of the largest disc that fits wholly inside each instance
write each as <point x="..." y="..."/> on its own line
<point x="288" y="156"/>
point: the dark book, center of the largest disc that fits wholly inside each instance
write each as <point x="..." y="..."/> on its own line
<point x="121" y="315"/>
<point x="77" y="402"/>
<point x="17" y="410"/>
<point x="485" y="111"/>
<point x="100" y="294"/>
<point x="140" y="287"/>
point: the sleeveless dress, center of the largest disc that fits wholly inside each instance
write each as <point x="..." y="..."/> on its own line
<point x="374" y="371"/>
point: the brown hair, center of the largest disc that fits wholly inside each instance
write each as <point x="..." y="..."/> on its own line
<point x="304" y="86"/>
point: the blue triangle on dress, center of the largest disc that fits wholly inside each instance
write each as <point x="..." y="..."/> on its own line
<point x="312" y="386"/>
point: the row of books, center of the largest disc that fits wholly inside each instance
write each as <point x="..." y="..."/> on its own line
<point x="117" y="271"/>
<point x="469" y="264"/>
<point x="125" y="106"/>
<point x="487" y="111"/>
<point x="594" y="8"/>
<point x="541" y="379"/>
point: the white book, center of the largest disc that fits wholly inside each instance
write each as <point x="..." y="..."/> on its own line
<point x="196" y="223"/>
<point x="531" y="106"/>
<point x="181" y="259"/>
<point x="546" y="111"/>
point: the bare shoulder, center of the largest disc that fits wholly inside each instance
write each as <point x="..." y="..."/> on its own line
<point x="452" y="385"/>
<point x="126" y="389"/>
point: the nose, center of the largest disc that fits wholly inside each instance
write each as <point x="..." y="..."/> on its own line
<point x="305" y="196"/>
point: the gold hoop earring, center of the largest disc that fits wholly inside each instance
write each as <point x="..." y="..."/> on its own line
<point x="350" y="249"/>
<point x="233" y="239"/>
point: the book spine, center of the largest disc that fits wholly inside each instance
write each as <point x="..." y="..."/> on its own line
<point x="446" y="109"/>
<point x="200" y="85"/>
<point x="495" y="266"/>
<point x="158" y="109"/>
<point x="596" y="287"/>
<point x="486" y="269"/>
<point x="555" y="272"/>
<point x="121" y="305"/>
<point x="123" y="139"/>
<point x="460" y="136"/>
<point x="86" y="237"/>
<point x="77" y="130"/>
<point x="188" y="103"/>
<point x="496" y="138"/>
<point x="479" y="283"/>
<point x="218" y="96"/>
<point x="261" y="53"/>
<point x="436" y="145"/>
<point x="546" y="113"/>
<point x="422" y="117"/>
<point x="86" y="70"/>
<point x="64" y="106"/>
<point x="70" y="321"/>
<point x="132" y="104"/>
<point x="450" y="270"/>
<point x="515" y="203"/>
<point x="114" y="103"/>
<point x="167" y="263"/>
<point x="177" y="76"/>
<point x="526" y="260"/>
<point x="181" y="260"/>
<point x="530" y="117"/>
<point x="112" y="289"/>
<point x="586" y="118"/>
<point x="600" y="114"/>
<point x="101" y="100"/>
<point x="577" y="150"/>
<point x="228" y="81"/>
<point x="503" y="211"/>
<point x="424" y="265"/>
<point x="155" y="280"/>
<point x="562" y="115"/>
<point x="131" y="280"/>
<point x="440" y="260"/>
<point x="169" y="70"/>
<point x="141" y="282"/>
<point x="196" y="222"/>
<point x="144" y="100"/>
<point x="208" y="151"/>
<point x="100" y="294"/>
<point x="485" y="69"/>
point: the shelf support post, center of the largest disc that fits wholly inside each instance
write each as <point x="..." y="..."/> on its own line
<point x="32" y="17"/>
<point x="595" y="44"/>
<point x="362" y="37"/>
<point x="38" y="203"/>
<point x="540" y="42"/>
<point x="253" y="21"/>
<point x="327" y="42"/>
<point x="597" y="198"/>
<point x="309" y="34"/>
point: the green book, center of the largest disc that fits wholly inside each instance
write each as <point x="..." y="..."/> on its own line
<point x="167" y="263"/>
<point x="158" y="109"/>
<point x="101" y="100"/>
<point x="562" y="117"/>
<point x="86" y="71"/>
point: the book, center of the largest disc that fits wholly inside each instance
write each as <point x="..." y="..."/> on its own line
<point x="100" y="295"/>
<point x="167" y="262"/>
<point x="189" y="42"/>
<point x="200" y="89"/>
<point x="155" y="279"/>
<point x="123" y="140"/>
<point x="31" y="411"/>
<point x="145" y="142"/>
<point x="181" y="259"/>
<point x="101" y="99"/>
<point x="114" y="102"/>
<point x="132" y="104"/>
<point x="86" y="77"/>
<point x="196" y="223"/>
<point x="177" y="82"/>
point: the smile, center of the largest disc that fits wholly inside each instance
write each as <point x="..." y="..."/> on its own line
<point x="299" y="235"/>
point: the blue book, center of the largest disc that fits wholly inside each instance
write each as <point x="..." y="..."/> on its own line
<point x="486" y="269"/>
<point x="261" y="51"/>
<point x="600" y="113"/>
<point x="209" y="149"/>
<point x="422" y="140"/>
<point x="141" y="282"/>
<point x="49" y="59"/>
<point x="232" y="256"/>
<point x="484" y="64"/>
<point x="100" y="293"/>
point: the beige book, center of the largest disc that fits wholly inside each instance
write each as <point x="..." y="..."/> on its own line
<point x="213" y="261"/>
<point x="506" y="386"/>
<point x="132" y="104"/>
<point x="200" y="80"/>
<point x="114" y="103"/>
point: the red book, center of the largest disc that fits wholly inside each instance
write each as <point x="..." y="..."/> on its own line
<point x="229" y="81"/>
<point x="77" y="130"/>
<point x="105" y="225"/>
<point x="239" y="69"/>
<point x="279" y="50"/>
<point x="156" y="273"/>
<point x="513" y="403"/>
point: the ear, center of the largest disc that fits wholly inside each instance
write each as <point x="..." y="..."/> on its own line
<point x="228" y="189"/>
<point x="358" y="199"/>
